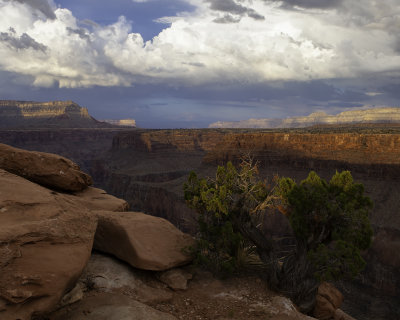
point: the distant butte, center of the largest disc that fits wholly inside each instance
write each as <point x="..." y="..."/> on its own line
<point x="367" y="116"/>
<point x="122" y="122"/>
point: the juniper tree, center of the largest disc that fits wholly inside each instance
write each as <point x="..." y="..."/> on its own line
<point x="329" y="222"/>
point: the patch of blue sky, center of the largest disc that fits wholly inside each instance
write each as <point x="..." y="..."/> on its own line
<point x="142" y="15"/>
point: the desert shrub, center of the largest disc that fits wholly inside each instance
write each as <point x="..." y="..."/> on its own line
<point x="231" y="198"/>
<point x="329" y="220"/>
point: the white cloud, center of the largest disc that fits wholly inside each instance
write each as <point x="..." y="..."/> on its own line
<point x="349" y="41"/>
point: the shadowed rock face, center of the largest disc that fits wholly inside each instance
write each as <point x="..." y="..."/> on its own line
<point x="149" y="167"/>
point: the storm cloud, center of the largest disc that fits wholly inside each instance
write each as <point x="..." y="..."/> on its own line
<point x="22" y="42"/>
<point x="321" y="4"/>
<point x="230" y="7"/>
<point x="44" y="6"/>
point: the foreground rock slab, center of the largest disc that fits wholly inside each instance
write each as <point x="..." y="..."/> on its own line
<point x="144" y="241"/>
<point x="50" y="170"/>
<point x="45" y="243"/>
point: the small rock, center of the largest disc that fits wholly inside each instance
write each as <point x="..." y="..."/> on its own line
<point x="333" y="295"/>
<point x="75" y="295"/>
<point x="323" y="310"/>
<point x="176" y="279"/>
<point x="327" y="301"/>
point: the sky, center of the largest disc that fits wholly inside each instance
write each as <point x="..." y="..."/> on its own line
<point x="188" y="63"/>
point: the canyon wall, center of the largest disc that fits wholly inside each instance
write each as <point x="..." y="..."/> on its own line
<point x="149" y="167"/>
<point x="372" y="154"/>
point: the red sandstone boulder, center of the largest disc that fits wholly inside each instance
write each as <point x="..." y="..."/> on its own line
<point x="144" y="241"/>
<point x="50" y="170"/>
<point x="45" y="243"/>
<point x="327" y="301"/>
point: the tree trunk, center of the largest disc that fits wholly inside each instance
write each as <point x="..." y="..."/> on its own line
<point x="294" y="277"/>
<point x="298" y="281"/>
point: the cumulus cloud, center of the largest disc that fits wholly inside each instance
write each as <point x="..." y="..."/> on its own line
<point x="221" y="41"/>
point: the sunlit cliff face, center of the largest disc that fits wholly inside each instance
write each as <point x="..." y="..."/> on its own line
<point x="37" y="110"/>
<point x="377" y="115"/>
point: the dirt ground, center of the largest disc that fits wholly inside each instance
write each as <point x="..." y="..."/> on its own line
<point x="110" y="282"/>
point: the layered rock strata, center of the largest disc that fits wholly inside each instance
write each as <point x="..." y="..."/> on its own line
<point x="367" y="116"/>
<point x="53" y="114"/>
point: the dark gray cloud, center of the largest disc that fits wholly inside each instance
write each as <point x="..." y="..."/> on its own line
<point x="230" y="7"/>
<point x="195" y="64"/>
<point x="227" y="18"/>
<point x="309" y="4"/>
<point x="22" y="42"/>
<point x="255" y="15"/>
<point x="227" y="6"/>
<point x="41" y="5"/>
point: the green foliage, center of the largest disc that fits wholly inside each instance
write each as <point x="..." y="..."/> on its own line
<point x="331" y="220"/>
<point x="220" y="202"/>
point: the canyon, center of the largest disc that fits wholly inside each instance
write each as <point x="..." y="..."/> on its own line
<point x="148" y="168"/>
<point x="60" y="240"/>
